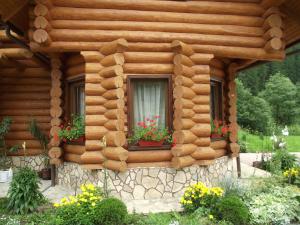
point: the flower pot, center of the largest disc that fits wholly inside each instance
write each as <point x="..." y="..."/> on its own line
<point x="5" y="175"/>
<point x="77" y="141"/>
<point x="216" y="136"/>
<point x="45" y="174"/>
<point x="144" y="143"/>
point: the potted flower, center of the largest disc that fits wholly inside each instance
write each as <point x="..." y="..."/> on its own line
<point x="219" y="129"/>
<point x="5" y="164"/>
<point x="73" y="132"/>
<point x="36" y="132"/>
<point x="148" y="134"/>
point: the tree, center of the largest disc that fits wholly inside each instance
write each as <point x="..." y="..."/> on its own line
<point x="281" y="93"/>
<point x="253" y="112"/>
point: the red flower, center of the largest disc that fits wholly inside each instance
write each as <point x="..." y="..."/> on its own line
<point x="61" y="126"/>
<point x="55" y="137"/>
<point x="224" y="130"/>
<point x="157" y="117"/>
<point x="220" y="122"/>
<point x="68" y="128"/>
<point x="216" y="123"/>
<point x="147" y="119"/>
<point x="64" y="140"/>
<point x="174" y="142"/>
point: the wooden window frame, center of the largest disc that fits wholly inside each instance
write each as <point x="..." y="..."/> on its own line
<point x="69" y="98"/>
<point x="221" y="97"/>
<point x="169" y="107"/>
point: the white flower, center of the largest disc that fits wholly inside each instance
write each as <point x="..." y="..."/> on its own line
<point x="282" y="144"/>
<point x="174" y="223"/>
<point x="285" y="131"/>
<point x="274" y="138"/>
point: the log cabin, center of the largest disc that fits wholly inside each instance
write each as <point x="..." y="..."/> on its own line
<point x="116" y="62"/>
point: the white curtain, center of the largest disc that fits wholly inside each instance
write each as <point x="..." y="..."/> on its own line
<point x="149" y="100"/>
<point x="81" y="98"/>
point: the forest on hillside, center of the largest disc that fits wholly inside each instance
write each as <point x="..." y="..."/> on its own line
<point x="269" y="95"/>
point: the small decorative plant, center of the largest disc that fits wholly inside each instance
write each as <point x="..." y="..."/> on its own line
<point x="199" y="195"/>
<point x="4" y="149"/>
<point x="292" y="175"/>
<point x="148" y="133"/>
<point x="219" y="129"/>
<point x="23" y="194"/>
<point x="73" y="131"/>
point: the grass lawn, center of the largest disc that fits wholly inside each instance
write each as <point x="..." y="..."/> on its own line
<point x="256" y="143"/>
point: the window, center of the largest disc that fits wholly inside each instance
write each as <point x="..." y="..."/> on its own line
<point x="76" y="97"/>
<point x="149" y="96"/>
<point x="216" y="97"/>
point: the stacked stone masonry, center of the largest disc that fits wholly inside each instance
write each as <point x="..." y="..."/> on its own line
<point x="146" y="183"/>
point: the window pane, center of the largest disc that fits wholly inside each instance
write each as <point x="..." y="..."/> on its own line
<point x="150" y="100"/>
<point x="216" y="100"/>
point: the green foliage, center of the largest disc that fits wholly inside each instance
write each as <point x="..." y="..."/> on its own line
<point x="232" y="208"/>
<point x="36" y="132"/>
<point x="281" y="160"/>
<point x="23" y="194"/>
<point x="281" y="93"/>
<point x="253" y="112"/>
<point x="110" y="211"/>
<point x="4" y="129"/>
<point x="277" y="205"/>
<point x="72" y="130"/>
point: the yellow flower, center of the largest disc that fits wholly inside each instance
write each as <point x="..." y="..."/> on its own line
<point x="56" y="205"/>
<point x="93" y="204"/>
<point x="211" y="217"/>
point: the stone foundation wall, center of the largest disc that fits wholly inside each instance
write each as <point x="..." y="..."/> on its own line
<point x="35" y="162"/>
<point x="146" y="183"/>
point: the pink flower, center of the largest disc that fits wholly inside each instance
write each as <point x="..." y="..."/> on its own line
<point x="157" y="117"/>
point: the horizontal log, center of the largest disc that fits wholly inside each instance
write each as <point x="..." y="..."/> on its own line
<point x="93" y="78"/>
<point x="181" y="103"/>
<point x="30" y="144"/>
<point x="95" y="120"/>
<point x="75" y="70"/>
<point x="115" y="114"/>
<point x="95" y="110"/>
<point x="201" y="118"/>
<point x="202" y="141"/>
<point x="120" y="166"/>
<point x="24" y="80"/>
<point x="204" y="162"/>
<point x="25" y="112"/>
<point x="41" y="22"/>
<point x="183" y="149"/>
<point x="218" y="144"/>
<point x="93" y="145"/>
<point x="41" y="36"/>
<point x="55" y="152"/>
<point x="181" y="48"/>
<point x="74" y="60"/>
<point x="201" y="79"/>
<point x="114" y="104"/>
<point x="178" y="27"/>
<point x="203" y="153"/>
<point x="183" y="81"/>
<point x="201" y="89"/>
<point x="272" y="33"/>
<point x="166" y="6"/>
<point x="115" y="153"/>
<point x="24" y="96"/>
<point x="29" y="152"/>
<point x="69" y="157"/>
<point x="148" y="68"/>
<point x="269" y="3"/>
<point x="16" y="53"/>
<point x="201" y="108"/>
<point x="26" y="119"/>
<point x="182" y="124"/>
<point x="115" y="138"/>
<point x="183" y="59"/>
<point x="28" y="88"/>
<point x="274" y="44"/>
<point x="92" y="166"/>
<point x="114" y="94"/>
<point x="273" y="20"/>
<point x="74" y="149"/>
<point x="94" y="89"/>
<point x="218" y="51"/>
<point x="24" y="126"/>
<point x="201" y="130"/>
<point x="134" y="15"/>
<point x="115" y="125"/>
<point x="111" y="71"/>
<point x="149" y="57"/>
<point x="185" y="71"/>
<point x="94" y="100"/>
<point x="114" y="59"/>
<point x="183" y="92"/>
<point x="220" y="152"/>
<point x="93" y="67"/>
<point x="184" y="137"/>
<point x="112" y="83"/>
<point x="163" y="164"/>
<point x="116" y="46"/>
<point x="92" y="157"/>
<point x="25" y="104"/>
<point x="184" y="113"/>
<point x="149" y="156"/>
<point x="181" y="162"/>
<point x="201" y="99"/>
<point x="94" y="132"/>
<point x="151" y="36"/>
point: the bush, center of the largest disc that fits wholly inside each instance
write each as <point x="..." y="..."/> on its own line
<point x="284" y="159"/>
<point x="79" y="209"/>
<point x="111" y="211"/>
<point x="231" y="208"/>
<point x="198" y="195"/>
<point x="277" y="206"/>
<point x="23" y="194"/>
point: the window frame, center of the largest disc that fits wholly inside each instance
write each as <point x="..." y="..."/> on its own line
<point x="169" y="106"/>
<point x="220" y="99"/>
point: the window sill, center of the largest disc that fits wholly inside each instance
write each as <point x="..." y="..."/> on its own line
<point x="139" y="148"/>
<point x="218" y="139"/>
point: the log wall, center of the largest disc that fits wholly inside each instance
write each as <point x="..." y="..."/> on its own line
<point x="24" y="95"/>
<point x="236" y="29"/>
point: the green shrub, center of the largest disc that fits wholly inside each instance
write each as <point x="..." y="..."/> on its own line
<point x="23" y="194"/>
<point x="110" y="211"/>
<point x="281" y="160"/>
<point x="232" y="209"/>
